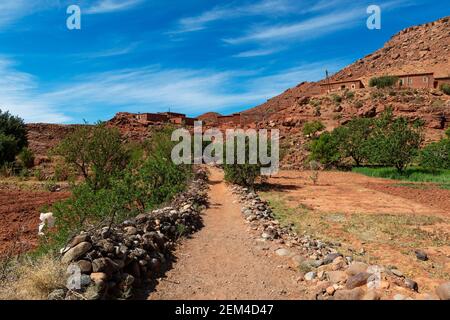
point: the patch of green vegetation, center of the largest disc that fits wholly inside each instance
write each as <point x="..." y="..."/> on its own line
<point x="414" y="174"/>
<point x="445" y="88"/>
<point x="383" y="82"/>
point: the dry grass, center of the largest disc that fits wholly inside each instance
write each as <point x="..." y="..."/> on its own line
<point x="31" y="279"/>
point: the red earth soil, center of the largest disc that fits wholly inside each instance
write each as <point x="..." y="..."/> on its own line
<point x="432" y="196"/>
<point x="19" y="218"/>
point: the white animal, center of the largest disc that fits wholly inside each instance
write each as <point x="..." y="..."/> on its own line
<point x="46" y="219"/>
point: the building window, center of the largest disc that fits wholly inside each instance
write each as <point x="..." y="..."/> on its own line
<point x="402" y="82"/>
<point x="353" y="86"/>
<point x="410" y="81"/>
<point x="425" y="79"/>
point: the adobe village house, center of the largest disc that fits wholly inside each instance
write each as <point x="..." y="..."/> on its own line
<point x="414" y="81"/>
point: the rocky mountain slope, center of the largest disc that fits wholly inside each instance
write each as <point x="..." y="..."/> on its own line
<point x="424" y="48"/>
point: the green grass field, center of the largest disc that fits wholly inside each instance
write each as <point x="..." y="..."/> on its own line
<point x="441" y="177"/>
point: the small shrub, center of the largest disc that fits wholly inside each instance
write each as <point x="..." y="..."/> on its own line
<point x="377" y="95"/>
<point x="437" y="105"/>
<point x="314" y="103"/>
<point x="39" y="175"/>
<point x="310" y="129"/>
<point x="336" y="98"/>
<point x="359" y="104"/>
<point x="7" y="170"/>
<point x="383" y="82"/>
<point x="445" y="88"/>
<point x="349" y="95"/>
<point x="26" y="158"/>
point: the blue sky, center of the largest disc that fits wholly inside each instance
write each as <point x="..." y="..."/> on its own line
<point x="191" y="56"/>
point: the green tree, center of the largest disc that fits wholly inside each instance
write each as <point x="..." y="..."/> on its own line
<point x="394" y="141"/>
<point x="353" y="139"/>
<point x="13" y="137"/>
<point x="325" y="149"/>
<point x="97" y="152"/>
<point x="436" y="155"/>
<point x="245" y="174"/>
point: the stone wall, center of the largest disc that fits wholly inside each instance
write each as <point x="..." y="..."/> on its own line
<point x="112" y="263"/>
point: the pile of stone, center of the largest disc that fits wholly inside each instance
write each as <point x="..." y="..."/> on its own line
<point x="259" y="215"/>
<point x="112" y="262"/>
<point x="330" y="274"/>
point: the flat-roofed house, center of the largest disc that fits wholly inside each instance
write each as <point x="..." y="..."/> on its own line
<point x="151" y="117"/>
<point x="173" y="114"/>
<point x="416" y="80"/>
<point x="333" y="86"/>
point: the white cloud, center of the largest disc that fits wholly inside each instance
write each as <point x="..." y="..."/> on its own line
<point x="261" y="8"/>
<point x="310" y="28"/>
<point x="18" y="95"/>
<point x="13" y="10"/>
<point x="257" y="53"/>
<point x="107" y="6"/>
<point x="113" y="52"/>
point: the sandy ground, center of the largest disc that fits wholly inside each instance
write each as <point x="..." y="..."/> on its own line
<point x="223" y="261"/>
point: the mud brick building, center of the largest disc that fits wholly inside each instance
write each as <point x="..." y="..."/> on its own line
<point x="416" y="81"/>
<point x="333" y="86"/>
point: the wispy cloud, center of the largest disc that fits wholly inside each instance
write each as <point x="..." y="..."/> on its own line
<point x="107" y="6"/>
<point x="113" y="52"/>
<point x="260" y="8"/>
<point x="257" y="53"/>
<point x="309" y="28"/>
<point x="13" y="10"/>
<point x="19" y="95"/>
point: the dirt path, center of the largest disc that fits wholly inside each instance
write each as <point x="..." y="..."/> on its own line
<point x="224" y="261"/>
